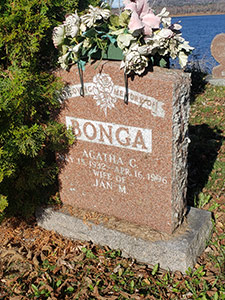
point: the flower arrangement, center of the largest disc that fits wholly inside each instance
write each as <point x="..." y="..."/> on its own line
<point x="142" y="37"/>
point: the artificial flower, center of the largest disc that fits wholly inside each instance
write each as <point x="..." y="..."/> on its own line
<point x="72" y="24"/>
<point x="63" y="61"/>
<point x="165" y="33"/>
<point x="134" y="62"/>
<point x="164" y="17"/>
<point x="58" y="35"/>
<point x="135" y="22"/>
<point x="95" y="14"/>
<point x="142" y="16"/>
<point x="124" y="40"/>
<point x="182" y="59"/>
<point x="138" y="32"/>
<point x="76" y="48"/>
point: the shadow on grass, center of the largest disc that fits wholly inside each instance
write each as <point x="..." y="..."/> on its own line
<point x="198" y="82"/>
<point x="203" y="150"/>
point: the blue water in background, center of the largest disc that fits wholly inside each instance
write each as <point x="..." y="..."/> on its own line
<point x="200" y="31"/>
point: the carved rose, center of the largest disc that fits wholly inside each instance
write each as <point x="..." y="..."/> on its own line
<point x="103" y="91"/>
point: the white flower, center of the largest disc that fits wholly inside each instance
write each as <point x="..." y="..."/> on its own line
<point x="183" y="59"/>
<point x="83" y="27"/>
<point x="58" y="35"/>
<point x="164" y="13"/>
<point x="63" y="60"/>
<point x="154" y="43"/>
<point x="73" y="52"/>
<point x="173" y="48"/>
<point x="124" y="40"/>
<point x="176" y="27"/>
<point x="145" y="49"/>
<point x="165" y="33"/>
<point x="76" y="48"/>
<point x="72" y="24"/>
<point x="185" y="45"/>
<point x="86" y="43"/>
<point x="94" y="14"/>
<point x="134" y="62"/>
<point x="164" y="16"/>
<point x="117" y="32"/>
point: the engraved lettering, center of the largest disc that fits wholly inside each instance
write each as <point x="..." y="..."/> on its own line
<point x="132" y="163"/>
<point x="85" y="154"/>
<point x="90" y="131"/>
<point x="117" y="92"/>
<point x="107" y="134"/>
<point x="105" y="185"/>
<point x="123" y="140"/>
<point x="102" y="174"/>
<point x="122" y="189"/>
<point x="139" y="141"/>
<point x="76" y="128"/>
<point x="110" y="134"/>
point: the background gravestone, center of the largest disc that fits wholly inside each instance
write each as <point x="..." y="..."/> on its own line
<point x="129" y="161"/>
<point x="218" y="52"/>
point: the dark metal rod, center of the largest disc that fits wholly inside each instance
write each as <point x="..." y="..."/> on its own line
<point x="126" y="89"/>
<point x="81" y="80"/>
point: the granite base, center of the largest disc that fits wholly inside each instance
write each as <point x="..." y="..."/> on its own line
<point x="179" y="252"/>
<point x="215" y="81"/>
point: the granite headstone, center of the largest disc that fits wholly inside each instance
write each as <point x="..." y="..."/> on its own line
<point x="128" y="161"/>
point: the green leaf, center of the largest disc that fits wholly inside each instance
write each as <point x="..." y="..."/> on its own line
<point x="84" y="250"/>
<point x="35" y="288"/>
<point x="114" y="20"/>
<point x="162" y="63"/>
<point x="111" y="38"/>
<point x="90" y="254"/>
<point x="91" y="32"/>
<point x="124" y="19"/>
<point x="120" y="272"/>
<point x="91" y="52"/>
<point x="3" y="203"/>
<point x="132" y="284"/>
<point x="58" y="283"/>
<point x="155" y="269"/>
<point x="70" y="289"/>
<point x="81" y="64"/>
<point x="203" y="199"/>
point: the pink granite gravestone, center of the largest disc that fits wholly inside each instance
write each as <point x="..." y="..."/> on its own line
<point x="128" y="161"/>
<point x="218" y="52"/>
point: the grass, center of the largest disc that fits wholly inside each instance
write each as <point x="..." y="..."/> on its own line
<point x="37" y="264"/>
<point x="207" y="150"/>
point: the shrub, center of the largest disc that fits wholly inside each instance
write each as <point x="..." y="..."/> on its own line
<point x="29" y="135"/>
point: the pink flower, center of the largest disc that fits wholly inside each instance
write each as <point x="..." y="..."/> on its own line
<point x="135" y="22"/>
<point x="141" y="16"/>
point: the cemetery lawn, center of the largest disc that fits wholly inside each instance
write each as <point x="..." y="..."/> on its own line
<point x="37" y="264"/>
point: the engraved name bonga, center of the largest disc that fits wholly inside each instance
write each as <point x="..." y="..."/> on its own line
<point x="129" y="137"/>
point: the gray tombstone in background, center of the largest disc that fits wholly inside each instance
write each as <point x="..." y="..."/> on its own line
<point x="218" y="52"/>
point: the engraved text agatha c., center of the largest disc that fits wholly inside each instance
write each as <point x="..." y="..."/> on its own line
<point x="109" y="171"/>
